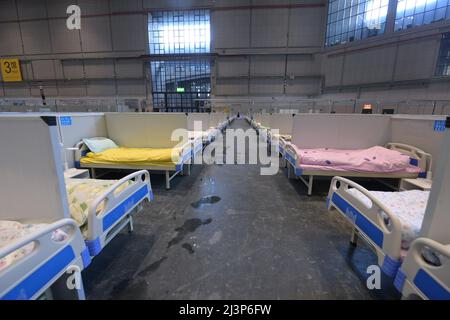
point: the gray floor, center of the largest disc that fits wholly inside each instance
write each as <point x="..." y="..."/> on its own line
<point x="264" y="239"/>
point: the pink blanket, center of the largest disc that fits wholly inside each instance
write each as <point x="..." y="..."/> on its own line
<point x="376" y="159"/>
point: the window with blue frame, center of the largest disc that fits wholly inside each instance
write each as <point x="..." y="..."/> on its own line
<point x="412" y="13"/>
<point x="179" y="81"/>
<point x="350" y="20"/>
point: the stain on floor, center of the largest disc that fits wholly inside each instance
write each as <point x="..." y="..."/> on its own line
<point x="189" y="226"/>
<point x="205" y="200"/>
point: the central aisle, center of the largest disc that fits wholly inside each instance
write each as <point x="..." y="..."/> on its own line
<point x="261" y="237"/>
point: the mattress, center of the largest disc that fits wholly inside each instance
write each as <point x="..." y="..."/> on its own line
<point x="13" y="231"/>
<point x="408" y="206"/>
<point x="372" y="160"/>
<point x="155" y="157"/>
<point x="81" y="193"/>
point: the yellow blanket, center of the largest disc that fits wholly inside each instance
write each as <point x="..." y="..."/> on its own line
<point x="81" y="194"/>
<point x="134" y="157"/>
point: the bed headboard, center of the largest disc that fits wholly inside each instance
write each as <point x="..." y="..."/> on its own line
<point x="204" y="118"/>
<point x="144" y="130"/>
<point x="420" y="131"/>
<point x="32" y="187"/>
<point x="340" y="131"/>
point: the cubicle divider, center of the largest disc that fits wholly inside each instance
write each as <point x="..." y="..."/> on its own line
<point x="76" y="126"/>
<point x="436" y="223"/>
<point x="202" y="120"/>
<point x="31" y="171"/>
<point x="144" y="130"/>
<point x="217" y="118"/>
<point x="340" y="131"/>
<point x="283" y="122"/>
<point x="265" y="119"/>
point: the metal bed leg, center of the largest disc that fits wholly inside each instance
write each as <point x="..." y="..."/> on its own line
<point x="290" y="169"/>
<point x="188" y="169"/>
<point x="354" y="238"/>
<point x="93" y="173"/>
<point x="130" y="224"/>
<point x="310" y="185"/>
<point x="60" y="290"/>
<point x="167" y="180"/>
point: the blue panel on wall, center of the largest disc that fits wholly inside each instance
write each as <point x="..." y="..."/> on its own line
<point x="65" y="121"/>
<point x="439" y="125"/>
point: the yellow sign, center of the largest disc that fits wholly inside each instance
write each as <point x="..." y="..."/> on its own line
<point x="11" y="70"/>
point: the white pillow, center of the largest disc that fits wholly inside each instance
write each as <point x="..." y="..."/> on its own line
<point x="99" y="144"/>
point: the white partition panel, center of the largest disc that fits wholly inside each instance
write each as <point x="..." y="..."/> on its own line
<point x="32" y="185"/>
<point x="202" y="119"/>
<point x="282" y="121"/>
<point x="257" y="117"/>
<point x="80" y="126"/>
<point x="436" y="223"/>
<point x="265" y="120"/>
<point x="144" y="130"/>
<point x="420" y="131"/>
<point x="217" y="118"/>
<point x="340" y="131"/>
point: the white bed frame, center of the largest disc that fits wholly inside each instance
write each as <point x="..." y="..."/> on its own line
<point x="424" y="162"/>
<point x="118" y="210"/>
<point x="418" y="278"/>
<point x="368" y="223"/>
<point x="187" y="153"/>
<point x="415" y="277"/>
<point x="46" y="265"/>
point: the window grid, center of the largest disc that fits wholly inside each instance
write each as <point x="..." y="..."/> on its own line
<point x="443" y="62"/>
<point x="412" y="13"/>
<point x="179" y="32"/>
<point x="178" y="83"/>
<point x="350" y="20"/>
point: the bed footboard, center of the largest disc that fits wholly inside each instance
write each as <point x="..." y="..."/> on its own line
<point x="117" y="208"/>
<point x="34" y="273"/>
<point x="376" y="224"/>
<point x="418" y="157"/>
<point x="425" y="273"/>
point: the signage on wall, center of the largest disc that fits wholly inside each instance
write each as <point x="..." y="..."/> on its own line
<point x="439" y="125"/>
<point x="65" y="121"/>
<point x="11" y="70"/>
<point x="180" y="90"/>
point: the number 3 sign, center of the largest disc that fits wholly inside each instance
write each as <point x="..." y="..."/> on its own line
<point x="10" y="70"/>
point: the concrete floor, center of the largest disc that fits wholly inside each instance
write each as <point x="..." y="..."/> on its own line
<point x="264" y="239"/>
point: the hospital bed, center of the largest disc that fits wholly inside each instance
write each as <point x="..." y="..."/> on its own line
<point x="102" y="208"/>
<point x="131" y="158"/>
<point x="282" y="140"/>
<point x="37" y="257"/>
<point x="390" y="223"/>
<point x="419" y="163"/>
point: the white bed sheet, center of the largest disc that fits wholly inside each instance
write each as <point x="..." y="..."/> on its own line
<point x="409" y="206"/>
